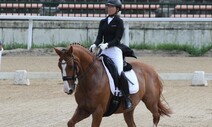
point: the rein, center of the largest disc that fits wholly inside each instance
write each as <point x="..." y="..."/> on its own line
<point x="87" y="70"/>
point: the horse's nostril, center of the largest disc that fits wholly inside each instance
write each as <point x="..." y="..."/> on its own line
<point x="71" y="91"/>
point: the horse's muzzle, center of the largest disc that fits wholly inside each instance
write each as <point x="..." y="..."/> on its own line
<point x="70" y="92"/>
<point x="69" y="88"/>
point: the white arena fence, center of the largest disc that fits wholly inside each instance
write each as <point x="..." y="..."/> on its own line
<point x="57" y="75"/>
<point x="127" y="20"/>
<point x="198" y="78"/>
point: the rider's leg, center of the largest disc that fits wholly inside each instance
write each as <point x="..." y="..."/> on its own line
<point x="125" y="90"/>
<point x="115" y="54"/>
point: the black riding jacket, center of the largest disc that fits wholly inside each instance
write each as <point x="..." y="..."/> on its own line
<point x="110" y="33"/>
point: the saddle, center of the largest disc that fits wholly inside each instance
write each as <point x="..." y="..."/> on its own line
<point x="115" y="99"/>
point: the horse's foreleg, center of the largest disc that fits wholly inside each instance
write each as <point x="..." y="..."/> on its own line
<point x="129" y="119"/>
<point x="78" y="116"/>
<point x="97" y="117"/>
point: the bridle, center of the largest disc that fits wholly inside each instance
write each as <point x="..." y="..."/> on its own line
<point x="75" y="67"/>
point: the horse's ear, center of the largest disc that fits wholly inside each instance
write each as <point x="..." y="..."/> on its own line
<point x="71" y="49"/>
<point x="57" y="51"/>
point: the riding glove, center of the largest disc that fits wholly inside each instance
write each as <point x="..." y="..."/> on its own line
<point x="103" y="46"/>
<point x="92" y="47"/>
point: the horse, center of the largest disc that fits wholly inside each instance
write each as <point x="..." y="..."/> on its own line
<point x="84" y="74"/>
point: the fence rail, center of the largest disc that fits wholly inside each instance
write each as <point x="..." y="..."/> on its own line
<point x="97" y="9"/>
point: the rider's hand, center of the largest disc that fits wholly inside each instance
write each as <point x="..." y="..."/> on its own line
<point x="103" y="46"/>
<point x="92" y="47"/>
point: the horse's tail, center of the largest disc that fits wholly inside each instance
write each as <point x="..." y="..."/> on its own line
<point x="163" y="108"/>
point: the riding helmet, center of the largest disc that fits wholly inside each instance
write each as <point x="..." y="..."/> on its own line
<point x="116" y="3"/>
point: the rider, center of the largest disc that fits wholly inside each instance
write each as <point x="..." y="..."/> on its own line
<point x="111" y="30"/>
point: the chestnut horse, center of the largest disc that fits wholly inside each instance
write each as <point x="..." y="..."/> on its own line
<point x="93" y="93"/>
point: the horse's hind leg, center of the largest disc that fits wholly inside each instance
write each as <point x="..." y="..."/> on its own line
<point x="153" y="108"/>
<point x="129" y="119"/>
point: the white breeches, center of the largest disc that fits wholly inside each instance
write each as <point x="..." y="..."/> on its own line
<point x="115" y="54"/>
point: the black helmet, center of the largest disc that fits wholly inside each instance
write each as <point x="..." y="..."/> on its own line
<point x="116" y="3"/>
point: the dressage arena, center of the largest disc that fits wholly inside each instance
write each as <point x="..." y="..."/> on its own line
<point x="44" y="104"/>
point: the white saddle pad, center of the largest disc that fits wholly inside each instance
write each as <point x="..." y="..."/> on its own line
<point x="133" y="88"/>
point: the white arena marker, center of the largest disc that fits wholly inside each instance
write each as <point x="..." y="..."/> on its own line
<point x="21" y="78"/>
<point x="199" y="79"/>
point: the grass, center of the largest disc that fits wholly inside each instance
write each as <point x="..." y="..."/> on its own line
<point x="63" y="44"/>
<point x="14" y="46"/>
<point x="24" y="46"/>
<point x="193" y="51"/>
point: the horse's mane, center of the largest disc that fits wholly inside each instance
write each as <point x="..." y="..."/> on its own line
<point x="75" y="43"/>
<point x="82" y="46"/>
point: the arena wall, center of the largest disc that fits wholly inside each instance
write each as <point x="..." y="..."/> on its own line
<point x="48" y="32"/>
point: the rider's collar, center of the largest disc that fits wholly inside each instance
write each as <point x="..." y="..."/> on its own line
<point x="111" y="15"/>
<point x="109" y="19"/>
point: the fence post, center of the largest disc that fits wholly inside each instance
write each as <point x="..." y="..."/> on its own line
<point x="21" y="78"/>
<point x="29" y="45"/>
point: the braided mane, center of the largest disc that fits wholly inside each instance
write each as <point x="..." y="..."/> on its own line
<point x="78" y="44"/>
<point x="75" y="43"/>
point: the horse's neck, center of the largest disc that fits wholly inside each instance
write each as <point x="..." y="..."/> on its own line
<point x="87" y="61"/>
<point x="91" y="72"/>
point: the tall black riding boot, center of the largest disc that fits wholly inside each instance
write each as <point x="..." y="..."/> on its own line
<point x="125" y="90"/>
